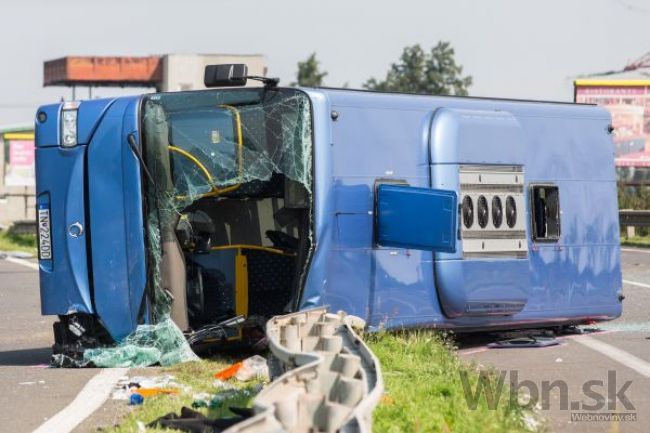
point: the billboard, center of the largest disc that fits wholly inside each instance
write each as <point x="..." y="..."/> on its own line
<point x="630" y="110"/>
<point x="20" y="163"/>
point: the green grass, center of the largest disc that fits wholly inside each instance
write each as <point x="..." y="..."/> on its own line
<point x="636" y="241"/>
<point x="13" y="242"/>
<point x="199" y="375"/>
<point x="424" y="391"/>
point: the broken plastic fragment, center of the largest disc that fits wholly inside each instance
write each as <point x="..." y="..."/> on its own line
<point x="228" y="372"/>
<point x="251" y="368"/>
<point x="150" y="392"/>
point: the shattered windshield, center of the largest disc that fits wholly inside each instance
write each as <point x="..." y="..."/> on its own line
<point x="216" y="144"/>
<point x="211" y="142"/>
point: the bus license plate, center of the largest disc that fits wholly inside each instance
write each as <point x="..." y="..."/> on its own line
<point x="44" y="234"/>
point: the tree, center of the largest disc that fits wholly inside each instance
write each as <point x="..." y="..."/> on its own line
<point x="309" y="75"/>
<point x="434" y="73"/>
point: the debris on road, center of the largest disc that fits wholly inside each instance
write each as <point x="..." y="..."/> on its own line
<point x="214" y="401"/>
<point x="332" y="382"/>
<point x="146" y="387"/>
<point x="228" y="372"/>
<point x="193" y="421"/>
<point x="524" y="342"/>
<point x="254" y="367"/>
<point x="135" y="399"/>
<point x="251" y="368"/>
<point x="162" y="343"/>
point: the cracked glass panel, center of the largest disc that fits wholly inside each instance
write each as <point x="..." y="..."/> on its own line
<point x="207" y="147"/>
<point x="211" y="143"/>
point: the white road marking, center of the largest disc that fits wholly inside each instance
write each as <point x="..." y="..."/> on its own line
<point x="472" y="351"/>
<point x="634" y="283"/>
<point x="627" y="359"/>
<point x="23" y="262"/>
<point x="91" y="398"/>
<point x="635" y="250"/>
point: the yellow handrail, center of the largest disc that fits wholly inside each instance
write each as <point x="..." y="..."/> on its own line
<point x="251" y="247"/>
<point x="192" y="158"/>
<point x="240" y="154"/>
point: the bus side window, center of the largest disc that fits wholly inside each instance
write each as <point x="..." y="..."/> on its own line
<point x="545" y="212"/>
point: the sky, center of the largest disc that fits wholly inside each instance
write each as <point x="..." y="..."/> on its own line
<point x="512" y="48"/>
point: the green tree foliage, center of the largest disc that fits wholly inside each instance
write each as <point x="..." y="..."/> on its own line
<point x="634" y="197"/>
<point x="309" y="73"/>
<point x="432" y="73"/>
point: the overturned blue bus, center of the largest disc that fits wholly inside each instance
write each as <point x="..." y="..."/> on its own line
<point x="230" y="205"/>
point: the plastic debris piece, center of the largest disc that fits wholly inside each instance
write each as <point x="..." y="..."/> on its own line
<point x="136" y="399"/>
<point x="150" y="392"/>
<point x="524" y="342"/>
<point x="146" y="386"/>
<point x="193" y="421"/>
<point x="121" y="394"/>
<point x="60" y="360"/>
<point x="254" y="367"/>
<point x="558" y="359"/>
<point x="333" y="355"/>
<point x="228" y="372"/>
<point x="220" y="384"/>
<point x="201" y="400"/>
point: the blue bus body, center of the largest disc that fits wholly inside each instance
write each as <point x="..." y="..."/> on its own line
<point x="371" y="254"/>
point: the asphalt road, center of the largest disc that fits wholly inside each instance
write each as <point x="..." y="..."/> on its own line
<point x="30" y="393"/>
<point x="580" y="359"/>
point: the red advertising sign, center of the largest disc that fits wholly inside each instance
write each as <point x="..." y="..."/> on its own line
<point x="630" y="110"/>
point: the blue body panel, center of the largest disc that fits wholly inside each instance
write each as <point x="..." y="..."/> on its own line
<point x="64" y="284"/>
<point x="48" y="132"/>
<point x="116" y="219"/>
<point x="422" y="140"/>
<point x="97" y="184"/>
<point x="417" y="140"/>
<point x="417" y="218"/>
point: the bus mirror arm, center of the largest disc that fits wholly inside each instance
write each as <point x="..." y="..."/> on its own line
<point x="136" y="151"/>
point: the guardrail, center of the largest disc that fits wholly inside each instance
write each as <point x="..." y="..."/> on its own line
<point x="332" y="382"/>
<point x="633" y="218"/>
<point x="23" y="227"/>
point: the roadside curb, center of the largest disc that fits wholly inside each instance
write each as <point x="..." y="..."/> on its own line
<point x="16" y="255"/>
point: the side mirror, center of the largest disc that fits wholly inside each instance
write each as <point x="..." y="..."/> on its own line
<point x="416" y="218"/>
<point x="228" y="75"/>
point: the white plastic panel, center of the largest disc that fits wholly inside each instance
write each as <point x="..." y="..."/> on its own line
<point x="333" y="381"/>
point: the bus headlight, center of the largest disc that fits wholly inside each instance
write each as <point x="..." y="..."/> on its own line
<point x="69" y="124"/>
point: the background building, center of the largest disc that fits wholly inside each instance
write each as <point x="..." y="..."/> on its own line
<point x="166" y="73"/>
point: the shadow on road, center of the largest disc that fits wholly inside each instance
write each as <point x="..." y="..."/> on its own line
<point x="21" y="357"/>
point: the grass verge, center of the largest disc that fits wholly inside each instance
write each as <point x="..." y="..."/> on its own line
<point x="636" y="241"/>
<point x="424" y="390"/>
<point x="13" y="242"/>
<point x="199" y="376"/>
